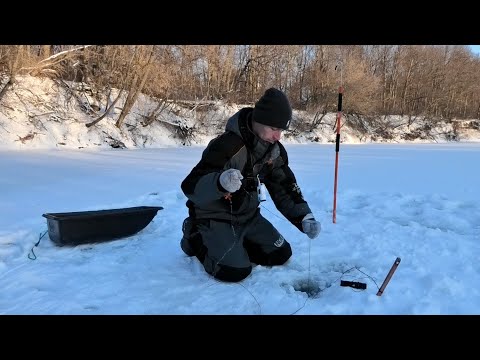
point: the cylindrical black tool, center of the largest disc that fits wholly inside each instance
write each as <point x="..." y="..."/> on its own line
<point x="353" y="284"/>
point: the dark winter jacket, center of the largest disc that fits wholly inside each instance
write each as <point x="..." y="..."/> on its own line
<point x="238" y="147"/>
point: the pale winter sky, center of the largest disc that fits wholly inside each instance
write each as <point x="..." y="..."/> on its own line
<point x="415" y="201"/>
<point x="475" y="49"/>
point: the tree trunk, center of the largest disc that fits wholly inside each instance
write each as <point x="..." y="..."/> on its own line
<point x="5" y="88"/>
<point x="96" y="121"/>
<point x="131" y="98"/>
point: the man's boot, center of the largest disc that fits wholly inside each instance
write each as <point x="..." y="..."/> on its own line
<point x="187" y="233"/>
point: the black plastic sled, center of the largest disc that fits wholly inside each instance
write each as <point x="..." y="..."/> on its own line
<point x="74" y="228"/>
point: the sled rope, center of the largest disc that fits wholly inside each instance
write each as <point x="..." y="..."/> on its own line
<point x="38" y="242"/>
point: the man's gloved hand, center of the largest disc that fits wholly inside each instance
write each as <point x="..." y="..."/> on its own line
<point x="231" y="180"/>
<point x="310" y="226"/>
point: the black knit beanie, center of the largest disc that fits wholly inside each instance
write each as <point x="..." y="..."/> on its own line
<point x="273" y="109"/>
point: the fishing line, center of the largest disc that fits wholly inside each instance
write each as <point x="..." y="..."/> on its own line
<point x="309" y="285"/>
<point x="229" y="197"/>
<point x="343" y="273"/>
<point x="309" y="279"/>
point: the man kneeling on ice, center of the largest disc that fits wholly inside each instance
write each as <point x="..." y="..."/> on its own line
<point x="225" y="229"/>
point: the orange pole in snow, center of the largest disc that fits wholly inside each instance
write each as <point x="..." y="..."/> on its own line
<point x="337" y="148"/>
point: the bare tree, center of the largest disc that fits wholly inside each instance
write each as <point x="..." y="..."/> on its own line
<point x="141" y="70"/>
<point x="13" y="58"/>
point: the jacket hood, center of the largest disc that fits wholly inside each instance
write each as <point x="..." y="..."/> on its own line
<point x="233" y="123"/>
